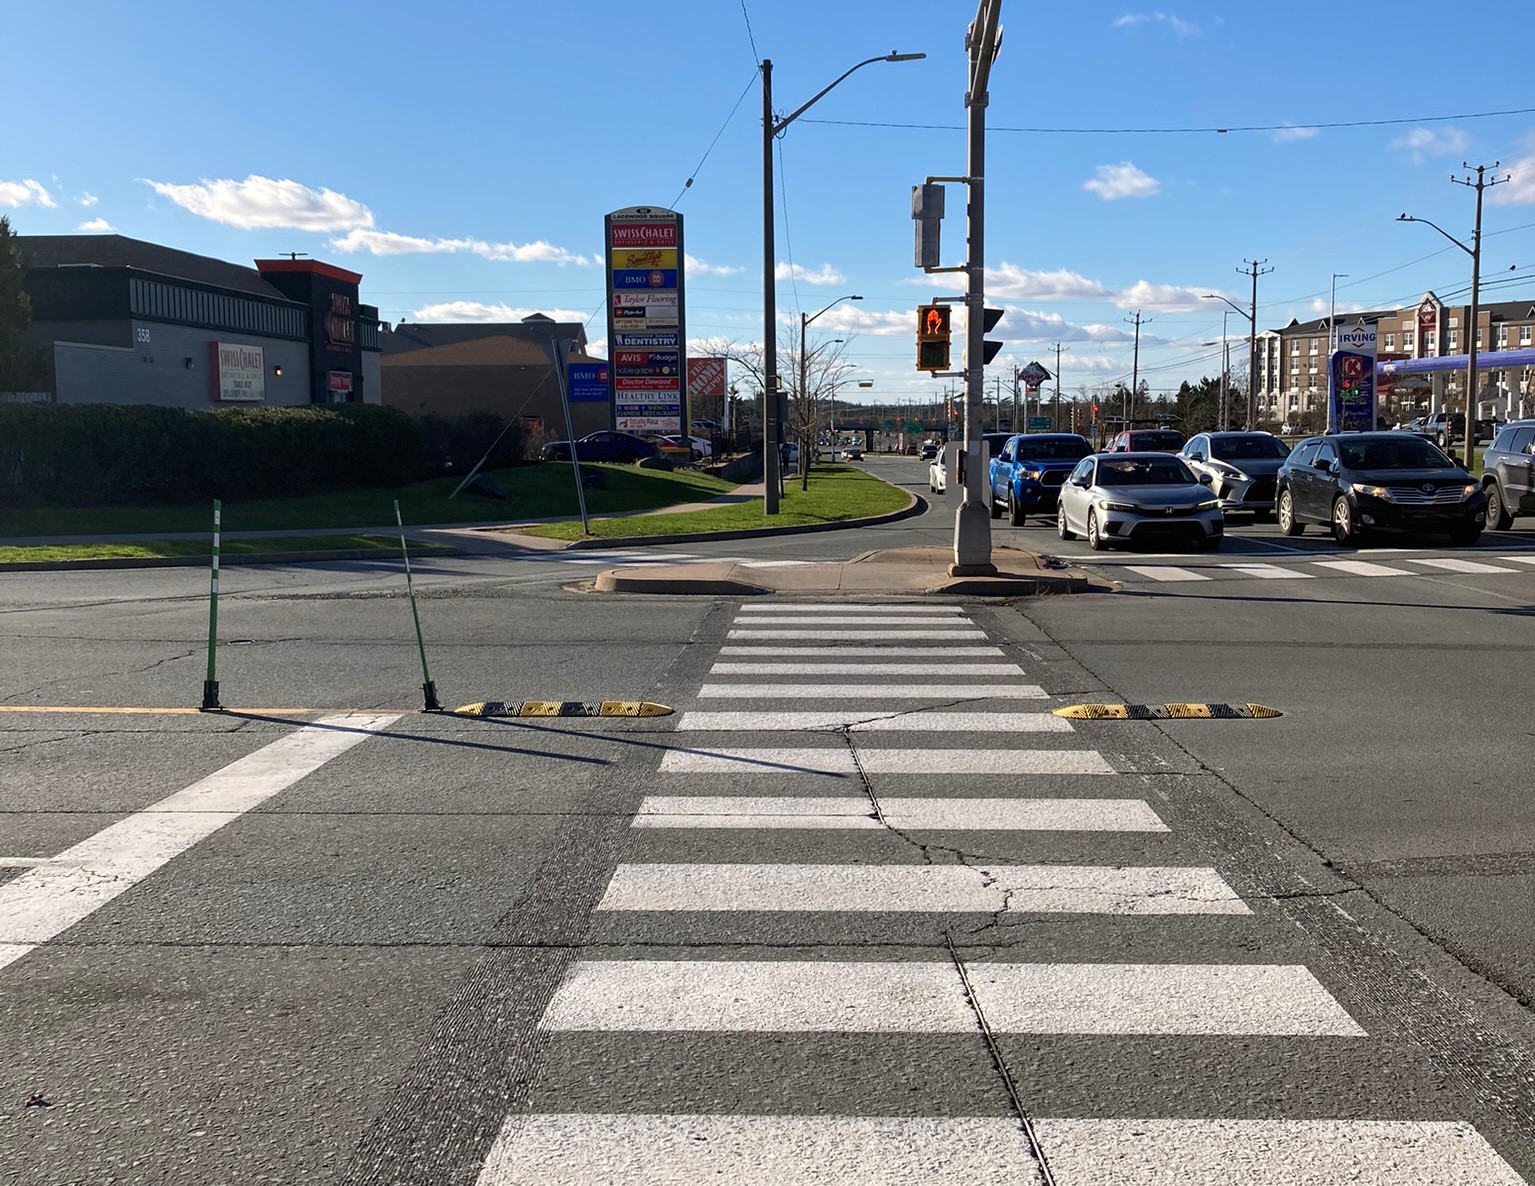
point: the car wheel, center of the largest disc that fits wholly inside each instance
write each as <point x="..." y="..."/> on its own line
<point x="1441" y="441"/>
<point x="1015" y="517"/>
<point x="931" y="489"/>
<point x="1288" y="523"/>
<point x="1343" y="529"/>
<point x="996" y="507"/>
<point x="1498" y="517"/>
<point x="1095" y="539"/>
<point x="1060" y="524"/>
<point x="1463" y="537"/>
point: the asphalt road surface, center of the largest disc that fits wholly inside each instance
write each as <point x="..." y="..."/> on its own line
<point x="862" y="910"/>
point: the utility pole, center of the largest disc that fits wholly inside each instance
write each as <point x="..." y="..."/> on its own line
<point x="1015" y="401"/>
<point x="1481" y="185"/>
<point x="972" y="521"/>
<point x="1135" y="370"/>
<point x="1255" y="268"/>
<point x="1055" y="416"/>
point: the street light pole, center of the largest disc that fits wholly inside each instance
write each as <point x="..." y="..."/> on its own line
<point x="771" y="129"/>
<point x="1252" y="335"/>
<point x="1481" y="185"/>
<point x="804" y="378"/>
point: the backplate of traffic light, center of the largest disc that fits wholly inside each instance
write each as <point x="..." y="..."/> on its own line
<point x="933" y="334"/>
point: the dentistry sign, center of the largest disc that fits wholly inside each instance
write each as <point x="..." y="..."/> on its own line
<point x="647" y="320"/>
<point x="1351" y="379"/>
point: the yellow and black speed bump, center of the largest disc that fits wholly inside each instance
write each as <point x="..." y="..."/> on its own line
<point x="1167" y="712"/>
<point x="563" y="708"/>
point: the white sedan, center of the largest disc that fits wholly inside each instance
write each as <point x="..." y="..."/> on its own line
<point x="1139" y="498"/>
<point x="937" y="476"/>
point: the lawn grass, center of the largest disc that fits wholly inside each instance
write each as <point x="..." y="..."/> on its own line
<point x="837" y="493"/>
<point x="537" y="491"/>
<point x="161" y="549"/>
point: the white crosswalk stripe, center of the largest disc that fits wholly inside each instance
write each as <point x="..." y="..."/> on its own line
<point x="1167" y="572"/>
<point x="1301" y="568"/>
<point x="1450" y="564"/>
<point x="778" y="832"/>
<point x="1269" y="572"/>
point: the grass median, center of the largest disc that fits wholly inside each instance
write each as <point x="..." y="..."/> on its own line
<point x="837" y="494"/>
<point x="164" y="549"/>
<point x="538" y="491"/>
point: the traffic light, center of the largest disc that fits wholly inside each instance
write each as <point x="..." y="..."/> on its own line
<point x="933" y="337"/>
<point x="989" y="318"/>
<point x="1073" y="419"/>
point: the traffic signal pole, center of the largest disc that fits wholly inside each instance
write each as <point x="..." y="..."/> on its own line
<point x="972" y="519"/>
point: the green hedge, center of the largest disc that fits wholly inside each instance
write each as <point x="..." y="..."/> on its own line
<point x="97" y="454"/>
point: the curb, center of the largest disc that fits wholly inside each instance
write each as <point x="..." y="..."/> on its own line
<point x="917" y="506"/>
<point x="224" y="561"/>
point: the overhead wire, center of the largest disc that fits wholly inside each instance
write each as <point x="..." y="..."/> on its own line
<point x="698" y="168"/>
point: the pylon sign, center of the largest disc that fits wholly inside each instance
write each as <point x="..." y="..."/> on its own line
<point x="1351" y="403"/>
<point x="647" y="322"/>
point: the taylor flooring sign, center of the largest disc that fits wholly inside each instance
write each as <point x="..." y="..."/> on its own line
<point x="647" y="322"/>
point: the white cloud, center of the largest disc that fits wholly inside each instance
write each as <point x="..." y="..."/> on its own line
<point x="96" y="225"/>
<point x="1288" y="134"/>
<point x="390" y="243"/>
<point x="825" y="274"/>
<point x="261" y="202"/>
<point x="88" y="199"/>
<point x="1022" y="284"/>
<point x="697" y="267"/>
<point x="23" y="193"/>
<point x="1176" y="23"/>
<point x="479" y="311"/>
<point x="1123" y="180"/>
<point x="1519" y="190"/>
<point x="1426" y="142"/>
<point x="1170" y="298"/>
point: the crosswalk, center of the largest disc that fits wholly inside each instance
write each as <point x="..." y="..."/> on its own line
<point x="774" y="994"/>
<point x="1311" y="569"/>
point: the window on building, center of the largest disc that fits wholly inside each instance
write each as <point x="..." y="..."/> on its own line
<point x="1390" y="341"/>
<point x="1431" y="340"/>
<point x="1478" y="338"/>
<point x="1524" y="335"/>
<point x="1502" y="336"/>
<point x="1407" y="339"/>
<point x="1452" y="338"/>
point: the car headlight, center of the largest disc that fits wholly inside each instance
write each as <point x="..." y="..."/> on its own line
<point x="1229" y="471"/>
<point x="1032" y="475"/>
<point x="1105" y="505"/>
<point x="1209" y="506"/>
<point x="1469" y="489"/>
<point x="1381" y="492"/>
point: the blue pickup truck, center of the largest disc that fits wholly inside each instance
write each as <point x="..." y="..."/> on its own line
<point x="1027" y="474"/>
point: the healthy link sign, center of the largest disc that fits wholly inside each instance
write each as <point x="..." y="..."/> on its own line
<point x="1351" y="380"/>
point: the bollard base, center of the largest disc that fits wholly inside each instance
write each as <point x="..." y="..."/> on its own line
<point x="429" y="695"/>
<point x="211" y="696"/>
<point x="972" y="570"/>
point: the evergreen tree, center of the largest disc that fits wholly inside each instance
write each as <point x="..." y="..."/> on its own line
<point x="20" y="363"/>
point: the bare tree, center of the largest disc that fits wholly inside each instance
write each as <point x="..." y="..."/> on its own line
<point x="825" y="371"/>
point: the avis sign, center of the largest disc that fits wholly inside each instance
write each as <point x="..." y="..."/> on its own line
<point x="1351" y="394"/>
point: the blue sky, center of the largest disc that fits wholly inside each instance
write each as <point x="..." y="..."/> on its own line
<point x="461" y="156"/>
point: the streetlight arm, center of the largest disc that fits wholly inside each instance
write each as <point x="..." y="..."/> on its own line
<point x="822" y="93"/>
<point x="839" y="300"/>
<point x="1440" y="229"/>
<point x="1215" y="296"/>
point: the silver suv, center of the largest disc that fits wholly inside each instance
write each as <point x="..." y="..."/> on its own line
<point x="1508" y="474"/>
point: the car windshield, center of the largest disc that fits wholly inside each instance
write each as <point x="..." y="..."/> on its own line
<point x="1144" y="471"/>
<point x="1157" y="440"/>
<point x="1259" y="446"/>
<point x="1393" y="453"/>
<point x="1057" y="449"/>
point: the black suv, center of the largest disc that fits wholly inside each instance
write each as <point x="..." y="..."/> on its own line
<point x="1378" y="481"/>
<point x="1508" y="474"/>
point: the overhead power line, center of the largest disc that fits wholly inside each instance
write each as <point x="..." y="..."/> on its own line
<point x="1176" y="131"/>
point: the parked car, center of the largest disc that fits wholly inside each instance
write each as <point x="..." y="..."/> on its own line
<point x="1138" y="498"/>
<point x="1147" y="440"/>
<point x="938" y="474"/>
<point x="1445" y="428"/>
<point x="1362" y="482"/>
<point x="1243" y="468"/>
<point x="1027" y="472"/>
<point x="602" y="446"/>
<point x="1508" y="474"/>
<point x="699" y="447"/>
